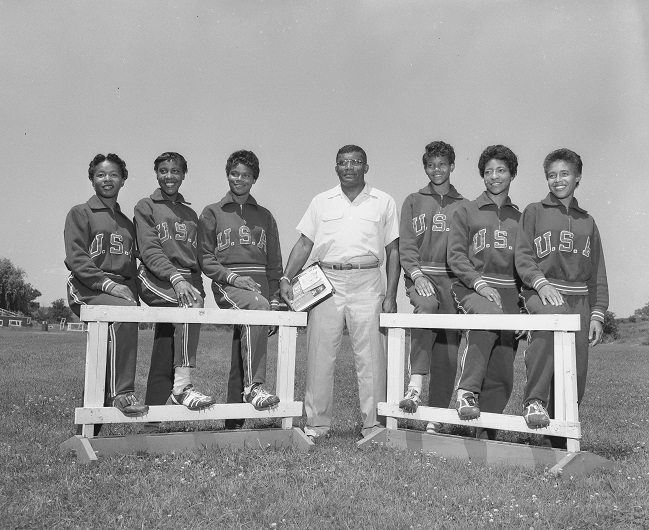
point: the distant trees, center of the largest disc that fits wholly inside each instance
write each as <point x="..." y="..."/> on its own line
<point x="53" y="314"/>
<point x="610" y="326"/>
<point x="642" y="313"/>
<point x="60" y="309"/>
<point x="15" y="293"/>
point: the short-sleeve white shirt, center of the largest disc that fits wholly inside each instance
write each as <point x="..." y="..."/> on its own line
<point x="344" y="231"/>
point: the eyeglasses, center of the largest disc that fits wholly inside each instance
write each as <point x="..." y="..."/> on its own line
<point x="352" y="161"/>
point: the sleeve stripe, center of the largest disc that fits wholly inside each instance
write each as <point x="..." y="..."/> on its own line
<point x="108" y="285"/>
<point x="479" y="284"/>
<point x="540" y="283"/>
<point x="596" y="314"/>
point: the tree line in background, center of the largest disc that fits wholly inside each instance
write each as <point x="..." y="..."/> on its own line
<point x="18" y="295"/>
<point x="15" y="293"/>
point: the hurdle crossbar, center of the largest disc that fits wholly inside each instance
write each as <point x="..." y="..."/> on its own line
<point x="94" y="412"/>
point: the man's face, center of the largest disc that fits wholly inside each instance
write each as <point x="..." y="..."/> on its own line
<point x="351" y="169"/>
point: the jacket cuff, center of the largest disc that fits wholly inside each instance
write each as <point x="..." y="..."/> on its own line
<point x="479" y="283"/>
<point x="539" y="282"/>
<point x="597" y="314"/>
<point x="108" y="285"/>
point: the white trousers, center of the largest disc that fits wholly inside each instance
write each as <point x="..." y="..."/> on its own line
<point x="357" y="302"/>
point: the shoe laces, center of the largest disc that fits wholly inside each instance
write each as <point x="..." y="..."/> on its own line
<point x="259" y="393"/>
<point x="536" y="408"/>
<point x="126" y="399"/>
<point x="412" y="393"/>
<point x="192" y="392"/>
<point x="469" y="399"/>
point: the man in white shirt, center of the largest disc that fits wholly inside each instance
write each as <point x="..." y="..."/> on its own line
<point x="350" y="230"/>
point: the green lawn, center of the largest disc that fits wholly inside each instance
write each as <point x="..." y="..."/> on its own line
<point x="335" y="486"/>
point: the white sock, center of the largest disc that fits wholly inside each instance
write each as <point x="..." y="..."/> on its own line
<point x="461" y="391"/>
<point x="182" y="378"/>
<point x="416" y="381"/>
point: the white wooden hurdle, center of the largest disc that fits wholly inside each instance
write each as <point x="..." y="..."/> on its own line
<point x="565" y="424"/>
<point x="87" y="446"/>
<point x="77" y="326"/>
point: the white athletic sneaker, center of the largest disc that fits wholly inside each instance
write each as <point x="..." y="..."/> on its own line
<point x="192" y="399"/>
<point x="259" y="398"/>
<point x="467" y="406"/>
<point x="535" y="415"/>
<point x="410" y="401"/>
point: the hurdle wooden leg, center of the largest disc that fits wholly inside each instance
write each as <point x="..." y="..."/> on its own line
<point x="95" y="381"/>
<point x="565" y="382"/>
<point x="285" y="385"/>
<point x="396" y="358"/>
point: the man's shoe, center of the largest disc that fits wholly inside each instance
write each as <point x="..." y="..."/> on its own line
<point x="129" y="405"/>
<point x="433" y="427"/>
<point x="259" y="398"/>
<point x="535" y="415"/>
<point x="312" y="435"/>
<point x="192" y="399"/>
<point x="467" y="406"/>
<point x="410" y="401"/>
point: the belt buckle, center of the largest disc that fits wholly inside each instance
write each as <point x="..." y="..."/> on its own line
<point x="346" y="267"/>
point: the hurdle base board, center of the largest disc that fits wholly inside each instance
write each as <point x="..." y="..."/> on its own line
<point x="580" y="463"/>
<point x="377" y="436"/>
<point x="489" y="452"/>
<point x="82" y="447"/>
<point x="90" y="449"/>
<point x="505" y="422"/>
<point x="222" y="411"/>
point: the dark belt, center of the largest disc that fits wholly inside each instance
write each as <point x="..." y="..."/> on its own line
<point x="348" y="266"/>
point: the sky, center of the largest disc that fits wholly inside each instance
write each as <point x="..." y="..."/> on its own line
<point x="293" y="81"/>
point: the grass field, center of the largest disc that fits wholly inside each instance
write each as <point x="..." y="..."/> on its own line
<point x="335" y="486"/>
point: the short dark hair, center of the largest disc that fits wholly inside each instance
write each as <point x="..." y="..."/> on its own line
<point x="499" y="152"/>
<point x="439" y="148"/>
<point x="110" y="157"/>
<point x="351" y="149"/>
<point x="168" y="157"/>
<point x="563" y="154"/>
<point x="247" y="158"/>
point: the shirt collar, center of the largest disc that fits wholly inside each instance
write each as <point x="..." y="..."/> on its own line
<point x="452" y="192"/>
<point x="228" y="199"/>
<point x="551" y="200"/>
<point x="338" y="191"/>
<point x="158" y="196"/>
<point x="96" y="203"/>
<point x="485" y="200"/>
